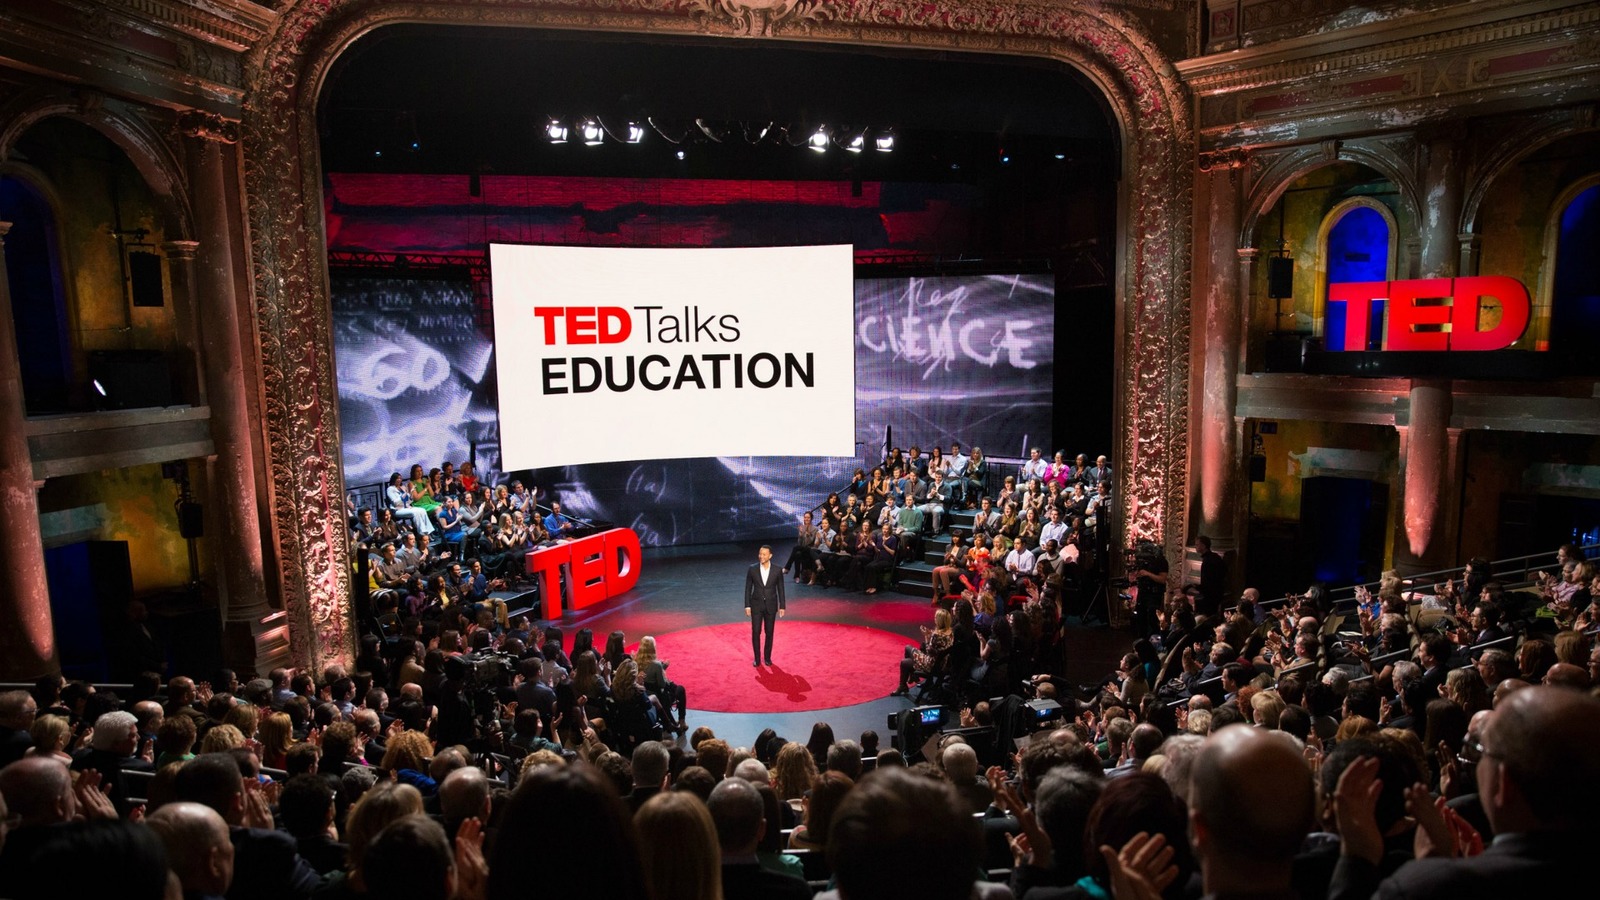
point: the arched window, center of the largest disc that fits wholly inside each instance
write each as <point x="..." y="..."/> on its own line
<point x="38" y="297"/>
<point x="1575" y="282"/>
<point x="1356" y="244"/>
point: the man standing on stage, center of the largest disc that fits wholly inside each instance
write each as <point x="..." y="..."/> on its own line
<point x="763" y="603"/>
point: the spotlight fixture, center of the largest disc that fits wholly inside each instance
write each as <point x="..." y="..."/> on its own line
<point x="635" y="133"/>
<point x="591" y="132"/>
<point x="556" y="131"/>
<point x="1061" y="156"/>
<point x="681" y="155"/>
<point x="884" y="143"/>
<point x="857" y="143"/>
<point x="98" y="387"/>
<point x="819" y="140"/>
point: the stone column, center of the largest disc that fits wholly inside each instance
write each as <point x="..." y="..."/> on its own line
<point x="27" y="635"/>
<point x="1425" y="463"/>
<point x="1224" y="298"/>
<point x="1427" y="445"/>
<point x="1441" y="193"/>
<point x="232" y="523"/>
<point x="1471" y="246"/>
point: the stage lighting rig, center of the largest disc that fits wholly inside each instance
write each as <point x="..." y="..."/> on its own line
<point x="591" y="132"/>
<point x="635" y="133"/>
<point x="857" y="142"/>
<point x="819" y="139"/>
<point x="884" y="142"/>
<point x="556" y="131"/>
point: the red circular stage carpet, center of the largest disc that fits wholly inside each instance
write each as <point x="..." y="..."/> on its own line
<point x="816" y="665"/>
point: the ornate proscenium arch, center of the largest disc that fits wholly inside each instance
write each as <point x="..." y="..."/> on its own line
<point x="282" y="176"/>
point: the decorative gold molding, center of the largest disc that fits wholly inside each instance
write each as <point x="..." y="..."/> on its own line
<point x="1371" y="49"/>
<point x="283" y="182"/>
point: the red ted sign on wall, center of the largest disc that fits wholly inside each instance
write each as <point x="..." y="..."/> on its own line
<point x="1432" y="313"/>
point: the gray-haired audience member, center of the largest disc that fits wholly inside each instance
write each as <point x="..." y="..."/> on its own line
<point x="737" y="811"/>
<point x="844" y="757"/>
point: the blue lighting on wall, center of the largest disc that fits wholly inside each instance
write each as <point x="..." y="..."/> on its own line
<point x="1358" y="250"/>
<point x="1575" y="300"/>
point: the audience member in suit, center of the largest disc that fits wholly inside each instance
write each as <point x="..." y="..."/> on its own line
<point x="1250" y="808"/>
<point x="306" y="808"/>
<point x="199" y="850"/>
<point x="116" y="738"/>
<point x="17" y="712"/>
<point x="736" y="810"/>
<point x="900" y="834"/>
<point x="1539" y="781"/>
<point x="651" y="762"/>
<point x="267" y="865"/>
<point x="38" y="791"/>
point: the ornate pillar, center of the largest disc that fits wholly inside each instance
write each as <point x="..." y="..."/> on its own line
<point x="27" y="635"/>
<point x="235" y="529"/>
<point x="1225" y="301"/>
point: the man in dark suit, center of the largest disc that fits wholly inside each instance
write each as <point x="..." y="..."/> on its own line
<point x="736" y="809"/>
<point x="1213" y="578"/>
<point x="763" y="603"/>
<point x="266" y="862"/>
<point x="1539" y="781"/>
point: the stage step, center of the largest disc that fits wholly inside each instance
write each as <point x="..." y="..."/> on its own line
<point x="914" y="579"/>
<point x="520" y="603"/>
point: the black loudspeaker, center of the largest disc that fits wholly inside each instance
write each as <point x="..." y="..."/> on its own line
<point x="191" y="520"/>
<point x="1258" y="469"/>
<point x="144" y="279"/>
<point x="1280" y="277"/>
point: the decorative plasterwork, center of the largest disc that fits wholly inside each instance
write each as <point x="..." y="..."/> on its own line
<point x="283" y="182"/>
<point x="1512" y="142"/>
<point x="1270" y="172"/>
<point x="165" y="51"/>
<point x="1387" y="82"/>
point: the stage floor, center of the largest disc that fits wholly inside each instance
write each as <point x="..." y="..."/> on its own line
<point x="683" y="588"/>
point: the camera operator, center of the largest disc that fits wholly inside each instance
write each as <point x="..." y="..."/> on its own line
<point x="1150" y="585"/>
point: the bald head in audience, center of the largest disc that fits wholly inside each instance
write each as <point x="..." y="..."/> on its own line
<point x="1540" y="770"/>
<point x="1251" y="805"/>
<point x="464" y="794"/>
<point x="38" y="789"/>
<point x="753" y="771"/>
<point x="199" y="849"/>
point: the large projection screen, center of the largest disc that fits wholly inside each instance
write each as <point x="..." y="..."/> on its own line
<point x="606" y="354"/>
<point x="937" y="358"/>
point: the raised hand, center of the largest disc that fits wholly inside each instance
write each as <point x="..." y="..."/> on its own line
<point x="93" y="799"/>
<point x="1142" y="869"/>
<point x="1355" y="803"/>
<point x="472" y="871"/>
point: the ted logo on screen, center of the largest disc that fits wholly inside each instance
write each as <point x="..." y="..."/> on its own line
<point x="593" y="325"/>
<point x="613" y="325"/>
<point x="1426" y="313"/>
